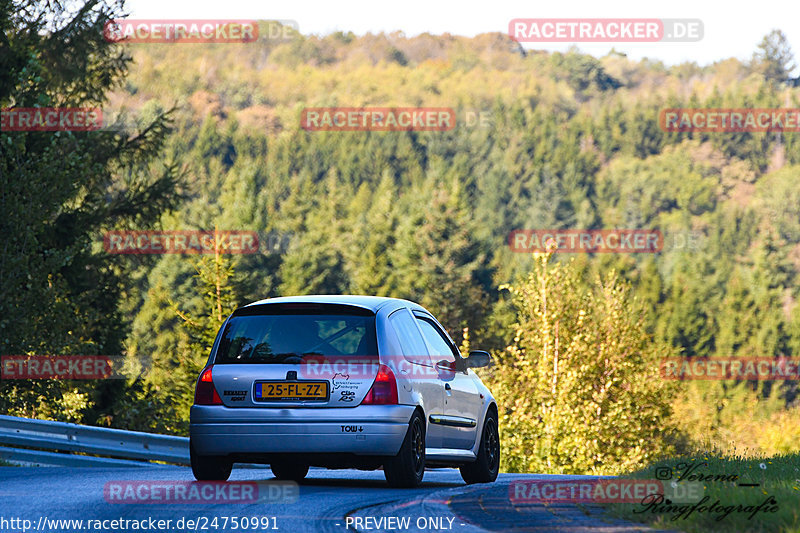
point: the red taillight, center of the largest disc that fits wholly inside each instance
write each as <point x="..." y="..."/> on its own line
<point x="384" y="390"/>
<point x="205" y="393"/>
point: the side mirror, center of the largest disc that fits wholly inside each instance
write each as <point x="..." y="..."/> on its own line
<point x="478" y="359"/>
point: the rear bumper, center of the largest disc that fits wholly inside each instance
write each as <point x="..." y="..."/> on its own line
<point x="363" y="430"/>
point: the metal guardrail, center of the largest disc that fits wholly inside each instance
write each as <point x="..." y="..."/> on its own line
<point x="65" y="437"/>
<point x="19" y="456"/>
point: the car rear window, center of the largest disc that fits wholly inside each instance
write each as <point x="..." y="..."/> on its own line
<point x="285" y="334"/>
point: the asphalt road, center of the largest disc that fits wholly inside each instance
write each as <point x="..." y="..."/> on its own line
<point x="327" y="501"/>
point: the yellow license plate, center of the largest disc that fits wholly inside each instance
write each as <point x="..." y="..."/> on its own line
<point x="292" y="390"/>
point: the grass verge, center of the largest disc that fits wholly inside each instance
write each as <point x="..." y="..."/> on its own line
<point x="732" y="489"/>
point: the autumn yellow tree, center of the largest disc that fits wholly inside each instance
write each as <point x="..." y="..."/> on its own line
<point x="579" y="386"/>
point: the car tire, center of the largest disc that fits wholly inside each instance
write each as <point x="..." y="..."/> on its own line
<point x="289" y="471"/>
<point x="487" y="465"/>
<point x="406" y="469"/>
<point x="209" y="467"/>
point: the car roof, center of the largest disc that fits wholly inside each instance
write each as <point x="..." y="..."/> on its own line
<point x="373" y="303"/>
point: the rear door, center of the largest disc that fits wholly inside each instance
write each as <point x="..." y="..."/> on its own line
<point x="462" y="402"/>
<point x="416" y="370"/>
<point x="296" y="355"/>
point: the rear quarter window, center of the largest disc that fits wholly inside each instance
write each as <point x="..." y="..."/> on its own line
<point x="414" y="349"/>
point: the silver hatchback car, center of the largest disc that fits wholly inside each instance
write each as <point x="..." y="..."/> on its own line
<point x="342" y="382"/>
